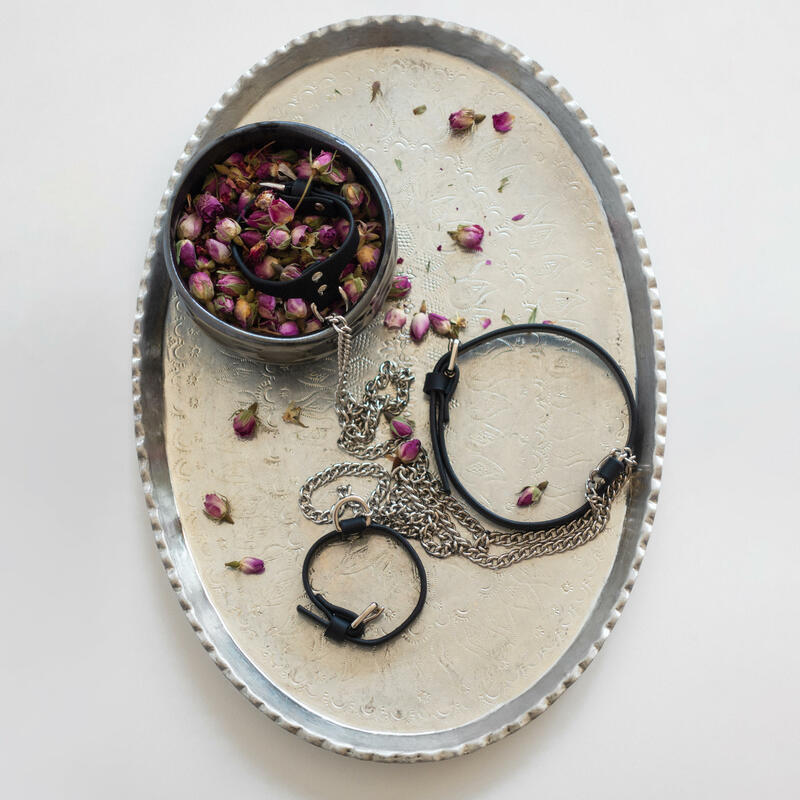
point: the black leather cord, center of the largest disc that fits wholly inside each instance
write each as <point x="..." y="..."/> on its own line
<point x="319" y="282"/>
<point x="338" y="621"/>
<point x="440" y="386"/>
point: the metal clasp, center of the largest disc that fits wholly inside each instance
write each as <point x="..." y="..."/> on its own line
<point x="351" y="498"/>
<point x="451" y="364"/>
<point x="372" y="611"/>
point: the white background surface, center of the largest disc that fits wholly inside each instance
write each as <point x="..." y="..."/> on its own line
<point x="105" y="690"/>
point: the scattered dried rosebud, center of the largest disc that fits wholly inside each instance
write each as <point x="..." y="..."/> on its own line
<point x="353" y="289"/>
<point x="342" y="228"/>
<point x="335" y="175"/>
<point x="217" y="507"/>
<point x="190" y="226"/>
<point x="266" y="305"/>
<point x="201" y="286"/>
<point x="312" y="325"/>
<point x="291" y="272"/>
<point x="468" y="236"/>
<point x="267" y="268"/>
<point x="302" y="236"/>
<point x="264" y="199"/>
<point x="245" y="421"/>
<point x="288" y="329"/>
<point x="245" y="198"/>
<point x="326" y="235"/>
<point x="220" y="252"/>
<point x="208" y="207"/>
<point x="420" y="324"/>
<point x="259" y="219"/>
<point x="186" y="254"/>
<point x="401" y="286"/>
<point x="354" y="194"/>
<point x="280" y="212"/>
<point x="395" y="319"/>
<point x="206" y="263"/>
<point x="223" y="304"/>
<point x="465" y="119"/>
<point x="303" y="169"/>
<point x="249" y="565"/>
<point x="485" y="322"/>
<point x="257" y="253"/>
<point x="531" y="495"/>
<point x="314" y="221"/>
<point x="292" y="415"/>
<point x="400" y="429"/>
<point x="232" y="285"/>
<point x="408" y="451"/>
<point x="440" y="323"/>
<point x="296" y="308"/>
<point x="322" y="161"/>
<point x="279" y="239"/>
<point x="368" y="257"/>
<point x="503" y="121"/>
<point x="244" y="312"/>
<point x="227" y="229"/>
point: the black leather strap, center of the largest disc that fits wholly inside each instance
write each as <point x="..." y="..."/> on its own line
<point x="440" y="386"/>
<point x="338" y="621"/>
<point x="319" y="282"/>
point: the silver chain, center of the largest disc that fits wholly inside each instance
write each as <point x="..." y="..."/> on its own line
<point x="410" y="499"/>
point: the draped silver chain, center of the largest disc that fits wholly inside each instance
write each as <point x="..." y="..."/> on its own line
<point x="410" y="499"/>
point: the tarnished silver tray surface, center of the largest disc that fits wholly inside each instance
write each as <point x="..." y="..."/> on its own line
<point x="491" y="650"/>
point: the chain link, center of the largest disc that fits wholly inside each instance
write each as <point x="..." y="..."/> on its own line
<point x="410" y="499"/>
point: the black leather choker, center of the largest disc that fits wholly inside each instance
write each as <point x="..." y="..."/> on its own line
<point x="341" y="624"/>
<point x="441" y="383"/>
<point x="319" y="283"/>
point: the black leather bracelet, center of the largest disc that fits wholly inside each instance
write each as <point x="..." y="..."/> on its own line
<point x="319" y="282"/>
<point x="440" y="386"/>
<point x="341" y="624"/>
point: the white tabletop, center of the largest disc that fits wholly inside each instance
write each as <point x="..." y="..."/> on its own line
<point x="104" y="689"/>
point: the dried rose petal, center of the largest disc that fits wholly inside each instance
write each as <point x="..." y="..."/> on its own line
<point x="503" y="121"/>
<point x="485" y="322"/>
<point x="517" y="217"/>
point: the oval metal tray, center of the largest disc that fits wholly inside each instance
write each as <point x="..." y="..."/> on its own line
<point x="491" y="650"/>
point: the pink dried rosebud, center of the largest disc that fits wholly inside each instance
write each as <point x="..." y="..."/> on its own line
<point x="278" y="239"/>
<point x="190" y="226"/>
<point x="250" y="238"/>
<point x="249" y="565"/>
<point x="223" y="304"/>
<point x="342" y="227"/>
<point x="208" y="207"/>
<point x="354" y="194"/>
<point x="220" y="252"/>
<point x="264" y="199"/>
<point x="245" y="198"/>
<point x="400" y="429"/>
<point x="296" y="308"/>
<point x="395" y="319"/>
<point x="232" y="285"/>
<point x="420" y="324"/>
<point x="303" y="169"/>
<point x="201" y="286"/>
<point x="322" y="161"/>
<point x="503" y="121"/>
<point x="464" y="119"/>
<point x="531" y="495"/>
<point x="401" y="286"/>
<point x="244" y="313"/>
<point x="368" y="257"/>
<point x="245" y="421"/>
<point x="266" y="305"/>
<point x="268" y="268"/>
<point x="408" y="451"/>
<point x="326" y="236"/>
<point x="312" y="325"/>
<point x="334" y="175"/>
<point x="280" y="212"/>
<point x="289" y="329"/>
<point x="302" y="236"/>
<point x="440" y="323"/>
<point x="468" y="236"/>
<point x="206" y="263"/>
<point x="354" y="288"/>
<point x="186" y="254"/>
<point x="217" y="507"/>
<point x="258" y="219"/>
<point x="227" y="229"/>
<point x="290" y="273"/>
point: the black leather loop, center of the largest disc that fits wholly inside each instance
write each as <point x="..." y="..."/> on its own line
<point x="338" y="621"/>
<point x="319" y="282"/>
<point x="440" y="386"/>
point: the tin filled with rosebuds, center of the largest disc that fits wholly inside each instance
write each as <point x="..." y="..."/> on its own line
<point x="273" y="227"/>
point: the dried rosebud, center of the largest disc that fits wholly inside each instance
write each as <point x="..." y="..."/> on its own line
<point x="322" y="161"/>
<point x="267" y="268"/>
<point x="264" y="199"/>
<point x="208" y="207"/>
<point x="464" y="119"/>
<point x="259" y="219"/>
<point x="368" y="257"/>
<point x="369" y="232"/>
<point x="395" y="319"/>
<point x="531" y="495"/>
<point x="278" y="239"/>
<point x="408" y="451"/>
<point x="251" y="238"/>
<point x="503" y="121"/>
<point x="220" y="252"/>
<point x="342" y="227"/>
<point x="334" y="175"/>
<point x="223" y="304"/>
<point x="354" y="288"/>
<point x="206" y="263"/>
<point x="244" y="313"/>
<point x="288" y="329"/>
<point x="440" y="323"/>
<point x="227" y="229"/>
<point x="280" y="212"/>
<point x="232" y="285"/>
<point x="303" y="169"/>
<point x="245" y="421"/>
<point x="186" y="254"/>
<point x="313" y="221"/>
<point x="201" y="286"/>
<point x="420" y="324"/>
<point x="296" y="308"/>
<point x="312" y="325"/>
<point x="291" y="272"/>
<point x="302" y="236"/>
<point x="468" y="236"/>
<point x="401" y="286"/>
<point x="190" y="226"/>
<point x="245" y="198"/>
<point x="400" y="429"/>
<point x="326" y="236"/>
<point x="217" y="507"/>
<point x="266" y="305"/>
<point x="354" y="194"/>
<point x="249" y="565"/>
